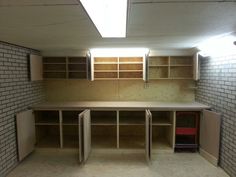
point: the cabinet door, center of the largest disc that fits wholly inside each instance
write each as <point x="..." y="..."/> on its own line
<point x="25" y="133"/>
<point x="210" y="136"/>
<point x="87" y="134"/>
<point x="36" y="67"/>
<point x="80" y="133"/>
<point x="148" y="147"/>
<point x="84" y="135"/>
<point x="196" y="67"/>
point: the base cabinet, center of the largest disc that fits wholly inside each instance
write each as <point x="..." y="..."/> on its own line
<point x="151" y="131"/>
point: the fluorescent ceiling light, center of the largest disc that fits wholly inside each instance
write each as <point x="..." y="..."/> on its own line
<point x="119" y="52"/>
<point x="218" y="46"/>
<point x="109" y="16"/>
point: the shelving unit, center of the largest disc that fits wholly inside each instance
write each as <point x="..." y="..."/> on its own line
<point x="47" y="127"/>
<point x="104" y="129"/>
<point x="187" y="130"/>
<point x="65" y="68"/>
<point x="162" y="131"/>
<point x="77" y="68"/>
<point x="132" y="129"/>
<point x="171" y="67"/>
<point x="113" y="68"/>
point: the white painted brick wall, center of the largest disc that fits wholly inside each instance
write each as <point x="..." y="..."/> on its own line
<point x="17" y="93"/>
<point x="217" y="88"/>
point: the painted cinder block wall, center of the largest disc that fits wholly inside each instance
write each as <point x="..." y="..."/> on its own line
<point x="17" y="93"/>
<point x="217" y="88"/>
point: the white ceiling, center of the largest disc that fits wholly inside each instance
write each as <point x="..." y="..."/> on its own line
<point x="62" y="26"/>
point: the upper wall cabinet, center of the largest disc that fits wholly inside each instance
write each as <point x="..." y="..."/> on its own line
<point x="122" y="68"/>
<point x="172" y="67"/>
<point x="65" y="67"/>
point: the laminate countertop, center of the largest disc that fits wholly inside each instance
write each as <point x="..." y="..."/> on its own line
<point x="121" y="105"/>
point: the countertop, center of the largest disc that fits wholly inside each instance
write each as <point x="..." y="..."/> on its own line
<point x="120" y="105"/>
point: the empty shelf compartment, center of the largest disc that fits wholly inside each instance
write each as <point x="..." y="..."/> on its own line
<point x="131" y="117"/>
<point x="103" y="137"/>
<point x="47" y="136"/>
<point x="71" y="136"/>
<point x="162" y="138"/>
<point x="187" y="119"/>
<point x="80" y="60"/>
<point x="103" y="118"/>
<point x="132" y="137"/>
<point x="162" y="118"/>
<point x="70" y="117"/>
<point x="46" y="117"/>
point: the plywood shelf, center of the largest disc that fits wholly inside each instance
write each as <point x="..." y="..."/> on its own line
<point x="105" y="63"/>
<point x="54" y="71"/>
<point x="158" y="65"/>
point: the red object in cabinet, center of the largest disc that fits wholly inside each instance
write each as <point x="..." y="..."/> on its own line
<point x="187" y="130"/>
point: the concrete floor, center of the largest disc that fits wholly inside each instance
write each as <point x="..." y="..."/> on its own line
<point x="64" y="163"/>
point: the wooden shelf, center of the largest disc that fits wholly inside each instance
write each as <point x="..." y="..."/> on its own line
<point x="128" y="63"/>
<point x="105" y="63"/>
<point x="105" y="71"/>
<point x="54" y="63"/>
<point x="158" y="65"/>
<point x="54" y="71"/>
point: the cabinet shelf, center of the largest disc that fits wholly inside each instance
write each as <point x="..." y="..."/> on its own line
<point x="96" y="71"/>
<point x="54" y="71"/>
<point x="158" y="65"/>
<point x="46" y="123"/>
<point x="54" y="63"/>
<point x="181" y="65"/>
<point x="121" y="63"/>
<point x="130" y="70"/>
<point x="105" y="63"/>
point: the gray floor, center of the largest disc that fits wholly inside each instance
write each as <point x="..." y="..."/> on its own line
<point x="63" y="163"/>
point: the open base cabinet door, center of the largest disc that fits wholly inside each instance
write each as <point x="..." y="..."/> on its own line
<point x="25" y="133"/>
<point x="210" y="136"/>
<point x="84" y="135"/>
<point x="148" y="143"/>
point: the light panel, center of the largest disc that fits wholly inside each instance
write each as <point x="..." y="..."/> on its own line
<point x="126" y="52"/>
<point x="218" y="46"/>
<point x="109" y="16"/>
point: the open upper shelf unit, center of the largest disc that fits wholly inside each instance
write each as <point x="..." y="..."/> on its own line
<point x="64" y="67"/>
<point x="113" y="68"/>
<point x="171" y="67"/>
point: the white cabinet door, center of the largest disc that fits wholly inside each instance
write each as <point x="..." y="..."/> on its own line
<point x="148" y="144"/>
<point x="36" y="67"/>
<point x="87" y="134"/>
<point x="25" y="133"/>
<point x="196" y="67"/>
<point x="84" y="135"/>
<point x="210" y="136"/>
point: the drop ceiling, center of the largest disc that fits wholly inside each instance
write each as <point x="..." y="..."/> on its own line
<point x="62" y="26"/>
